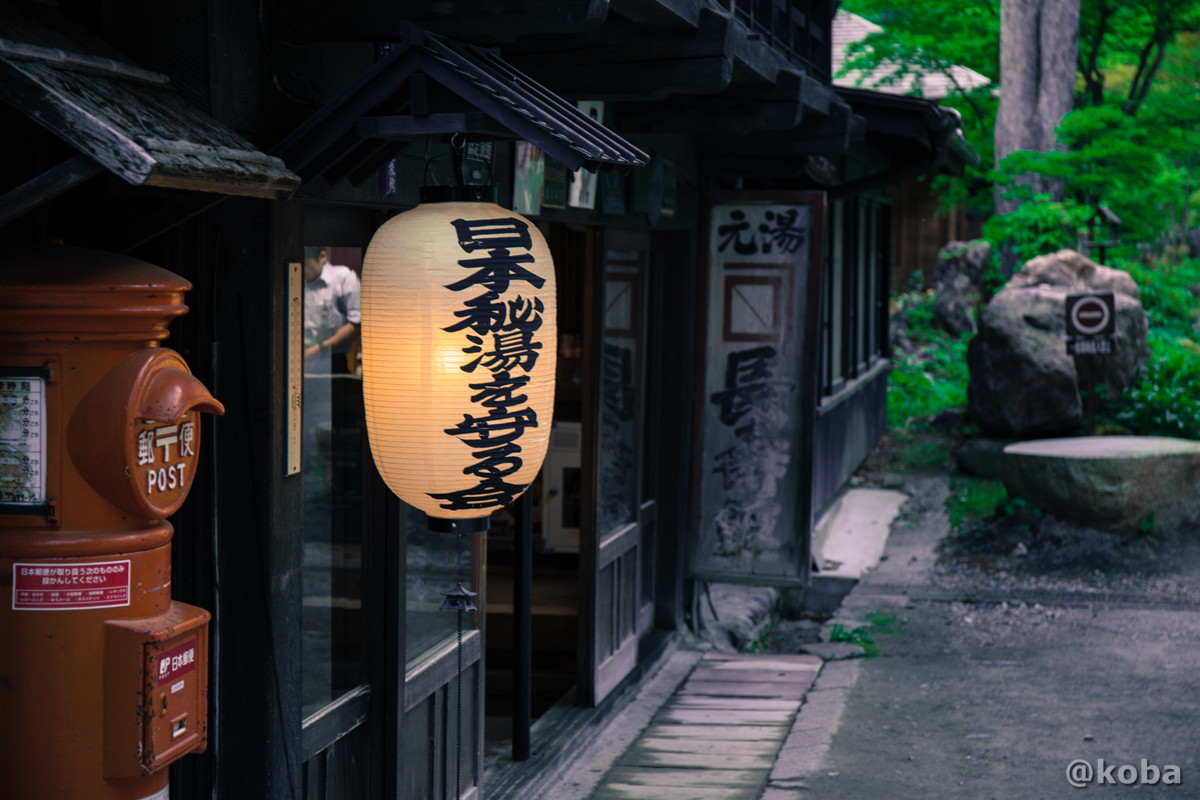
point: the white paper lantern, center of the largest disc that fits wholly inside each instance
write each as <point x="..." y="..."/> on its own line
<point x="459" y="347"/>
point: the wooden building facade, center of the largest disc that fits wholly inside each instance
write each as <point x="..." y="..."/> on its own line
<point x="719" y="221"/>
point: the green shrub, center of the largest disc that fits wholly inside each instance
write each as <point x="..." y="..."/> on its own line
<point x="933" y="378"/>
<point x="1166" y="294"/>
<point x="1165" y="398"/>
<point x="971" y="501"/>
<point x="1038" y="226"/>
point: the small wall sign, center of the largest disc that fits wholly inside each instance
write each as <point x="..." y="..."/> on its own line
<point x="1091" y="323"/>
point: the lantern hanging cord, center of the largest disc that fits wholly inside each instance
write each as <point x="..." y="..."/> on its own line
<point x="458" y="145"/>
<point x="459" y="614"/>
<point x="458" y="721"/>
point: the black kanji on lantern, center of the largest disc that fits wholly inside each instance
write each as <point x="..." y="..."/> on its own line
<point x="501" y="344"/>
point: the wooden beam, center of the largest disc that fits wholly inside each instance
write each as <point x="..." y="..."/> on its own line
<point x="475" y="21"/>
<point x="48" y="185"/>
<point x="661" y="13"/>
<point x="468" y="122"/>
<point x="624" y="61"/>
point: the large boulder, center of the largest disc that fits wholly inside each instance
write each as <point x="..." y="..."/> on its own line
<point x="957" y="277"/>
<point x="1023" y="384"/>
<point x="1109" y="482"/>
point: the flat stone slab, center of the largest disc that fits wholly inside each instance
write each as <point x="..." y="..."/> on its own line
<point x="850" y="537"/>
<point x="1108" y="482"/>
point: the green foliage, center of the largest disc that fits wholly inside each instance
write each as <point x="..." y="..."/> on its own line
<point x="1132" y="144"/>
<point x="1108" y="157"/>
<point x="1019" y="507"/>
<point x="1164" y="401"/>
<point x="1038" y="226"/>
<point x="1135" y="152"/>
<point x="933" y="378"/>
<point x="929" y="38"/>
<point x="879" y="623"/>
<point x="932" y="35"/>
<point x="925" y="457"/>
<point x="1122" y="45"/>
<point x="769" y="640"/>
<point x="971" y="501"/>
<point x="1172" y="310"/>
<point x="859" y="635"/>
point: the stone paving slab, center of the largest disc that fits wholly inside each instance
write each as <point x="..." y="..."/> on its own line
<point x="735" y="704"/>
<point x="704" y="745"/>
<point x="623" y="791"/>
<point x="672" y="778"/>
<point x="724" y="733"/>
<point x="640" y="756"/>
<point x="753" y="676"/>
<point x="722" y="717"/>
<point x="718" y="737"/>
<point x="791" y="689"/>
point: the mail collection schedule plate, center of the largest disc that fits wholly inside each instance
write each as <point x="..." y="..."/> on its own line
<point x="22" y="440"/>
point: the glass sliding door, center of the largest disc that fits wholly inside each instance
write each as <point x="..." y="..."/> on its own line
<point x="613" y="564"/>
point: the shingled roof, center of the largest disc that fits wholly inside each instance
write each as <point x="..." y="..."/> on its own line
<point x="849" y="28"/>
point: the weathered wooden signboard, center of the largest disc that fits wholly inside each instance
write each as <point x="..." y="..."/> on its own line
<point x="754" y="476"/>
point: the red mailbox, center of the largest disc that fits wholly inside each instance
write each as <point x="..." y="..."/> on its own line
<point x="103" y="677"/>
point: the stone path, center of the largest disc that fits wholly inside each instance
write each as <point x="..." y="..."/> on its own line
<point x="719" y="734"/>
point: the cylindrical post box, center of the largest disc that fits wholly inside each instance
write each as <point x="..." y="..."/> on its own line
<point x="103" y="677"/>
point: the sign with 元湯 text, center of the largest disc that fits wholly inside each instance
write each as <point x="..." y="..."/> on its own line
<point x="761" y="267"/>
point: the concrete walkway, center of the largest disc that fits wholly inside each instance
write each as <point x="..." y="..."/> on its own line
<point x="984" y="685"/>
<point x="738" y="727"/>
<point x="1002" y="686"/>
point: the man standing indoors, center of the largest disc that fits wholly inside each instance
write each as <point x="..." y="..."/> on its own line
<point x="332" y="314"/>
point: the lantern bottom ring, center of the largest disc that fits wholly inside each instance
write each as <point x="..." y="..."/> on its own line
<point x="446" y="525"/>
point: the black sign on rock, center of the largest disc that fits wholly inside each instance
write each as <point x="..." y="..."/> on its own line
<point x="1091" y="324"/>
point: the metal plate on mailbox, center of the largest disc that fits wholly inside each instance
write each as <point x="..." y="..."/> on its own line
<point x="156" y="690"/>
<point x="177" y="723"/>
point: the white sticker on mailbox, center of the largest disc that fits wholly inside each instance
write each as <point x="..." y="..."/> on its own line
<point x="70" y="586"/>
<point x="22" y="440"/>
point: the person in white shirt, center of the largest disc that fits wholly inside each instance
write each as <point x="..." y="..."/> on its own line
<point x="332" y="311"/>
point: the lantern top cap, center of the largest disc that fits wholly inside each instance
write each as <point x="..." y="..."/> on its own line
<point x="458" y="194"/>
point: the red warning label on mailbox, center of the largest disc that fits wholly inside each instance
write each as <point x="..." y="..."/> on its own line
<point x="177" y="661"/>
<point x="73" y="586"/>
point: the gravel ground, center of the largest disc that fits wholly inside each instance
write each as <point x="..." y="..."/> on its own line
<point x="998" y="673"/>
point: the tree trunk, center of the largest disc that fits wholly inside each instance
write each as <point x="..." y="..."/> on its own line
<point x="1038" y="51"/>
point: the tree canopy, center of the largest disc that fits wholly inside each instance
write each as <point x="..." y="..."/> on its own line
<point x="1132" y="139"/>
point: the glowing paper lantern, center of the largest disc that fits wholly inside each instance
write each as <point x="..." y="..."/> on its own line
<point x="459" y="346"/>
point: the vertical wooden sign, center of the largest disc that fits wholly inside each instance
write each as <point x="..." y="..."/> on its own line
<point x="756" y="407"/>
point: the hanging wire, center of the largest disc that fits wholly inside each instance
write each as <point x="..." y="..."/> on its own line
<point x="458" y="744"/>
<point x="458" y="145"/>
<point x="458" y="600"/>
